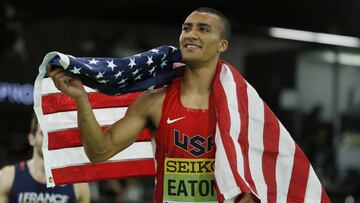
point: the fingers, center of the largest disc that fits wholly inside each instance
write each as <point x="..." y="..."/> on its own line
<point x="59" y="76"/>
<point x="62" y="81"/>
<point x="52" y="71"/>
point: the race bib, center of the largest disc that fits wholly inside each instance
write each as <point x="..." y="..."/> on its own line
<point x="189" y="180"/>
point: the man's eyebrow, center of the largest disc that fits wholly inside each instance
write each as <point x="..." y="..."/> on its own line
<point x="198" y="24"/>
<point x="204" y="25"/>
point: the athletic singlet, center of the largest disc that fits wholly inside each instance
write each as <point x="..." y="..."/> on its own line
<point x="26" y="189"/>
<point x="185" y="152"/>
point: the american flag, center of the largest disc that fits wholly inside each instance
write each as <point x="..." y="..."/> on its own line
<point x="124" y="78"/>
<point x="255" y="153"/>
<point x="114" y="76"/>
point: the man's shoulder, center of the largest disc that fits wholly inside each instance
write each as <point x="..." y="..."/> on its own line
<point x="153" y="96"/>
<point x="7" y="170"/>
<point x="156" y="93"/>
<point x="81" y="185"/>
<point x="149" y="103"/>
<point x="7" y="174"/>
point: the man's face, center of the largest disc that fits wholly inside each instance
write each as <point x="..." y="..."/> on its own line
<point x="200" y="39"/>
<point x="36" y="140"/>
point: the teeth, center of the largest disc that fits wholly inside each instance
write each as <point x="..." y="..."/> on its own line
<point x="191" y="46"/>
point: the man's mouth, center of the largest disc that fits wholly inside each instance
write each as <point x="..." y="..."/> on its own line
<point x="192" y="46"/>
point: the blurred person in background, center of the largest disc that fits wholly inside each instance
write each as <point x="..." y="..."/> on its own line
<point x="26" y="181"/>
<point x="111" y="189"/>
<point x="130" y="190"/>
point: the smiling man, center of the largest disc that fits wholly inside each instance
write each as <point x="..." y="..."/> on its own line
<point x="179" y="116"/>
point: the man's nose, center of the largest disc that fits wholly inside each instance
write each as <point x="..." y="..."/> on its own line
<point x="191" y="34"/>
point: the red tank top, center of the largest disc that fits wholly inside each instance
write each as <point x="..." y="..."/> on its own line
<point x="185" y="152"/>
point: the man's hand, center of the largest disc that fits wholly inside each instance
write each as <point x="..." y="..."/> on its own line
<point x="67" y="83"/>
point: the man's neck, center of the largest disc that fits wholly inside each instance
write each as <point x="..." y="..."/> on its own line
<point x="36" y="168"/>
<point x="196" y="85"/>
<point x="198" y="78"/>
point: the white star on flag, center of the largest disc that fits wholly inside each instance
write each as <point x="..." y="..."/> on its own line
<point x="93" y="61"/>
<point x="103" y="81"/>
<point x="154" y="50"/>
<point x="138" y="77"/>
<point x="152" y="69"/>
<point x="150" y="61"/>
<point x="163" y="64"/>
<point x="173" y="48"/>
<point x="132" y="63"/>
<point x="135" y="72"/>
<point x="76" y="70"/>
<point x="100" y="75"/>
<point x="163" y="57"/>
<point x="111" y="64"/>
<point x="122" y="81"/>
<point x="118" y="74"/>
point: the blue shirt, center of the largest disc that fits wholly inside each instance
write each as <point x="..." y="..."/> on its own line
<point x="26" y="189"/>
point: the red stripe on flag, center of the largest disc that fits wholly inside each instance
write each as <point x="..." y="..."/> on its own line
<point x="220" y="196"/>
<point x="271" y="138"/>
<point x="103" y="171"/>
<point x="299" y="177"/>
<point x="243" y="106"/>
<point x="224" y="127"/>
<point x="71" y="138"/>
<point x="324" y="197"/>
<point x="60" y="102"/>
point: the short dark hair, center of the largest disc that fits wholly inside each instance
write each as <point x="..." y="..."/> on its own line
<point x="226" y="33"/>
<point x="34" y="124"/>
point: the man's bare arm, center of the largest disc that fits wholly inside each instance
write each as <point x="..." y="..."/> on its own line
<point x="102" y="146"/>
<point x="6" y="181"/>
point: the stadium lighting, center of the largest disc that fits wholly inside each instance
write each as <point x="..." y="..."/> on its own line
<point x="315" y="37"/>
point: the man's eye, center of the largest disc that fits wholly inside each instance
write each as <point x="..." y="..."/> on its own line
<point x="185" y="28"/>
<point x="203" y="29"/>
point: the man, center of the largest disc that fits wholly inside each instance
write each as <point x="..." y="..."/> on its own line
<point x="26" y="182"/>
<point x="179" y="115"/>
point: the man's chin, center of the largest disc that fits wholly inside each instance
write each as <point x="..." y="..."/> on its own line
<point x="189" y="60"/>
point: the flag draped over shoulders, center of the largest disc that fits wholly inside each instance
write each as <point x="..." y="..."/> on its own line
<point x="254" y="152"/>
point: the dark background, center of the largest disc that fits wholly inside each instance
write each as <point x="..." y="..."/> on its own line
<point x="30" y="29"/>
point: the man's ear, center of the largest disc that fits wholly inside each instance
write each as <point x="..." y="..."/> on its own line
<point x="31" y="139"/>
<point x="223" y="45"/>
